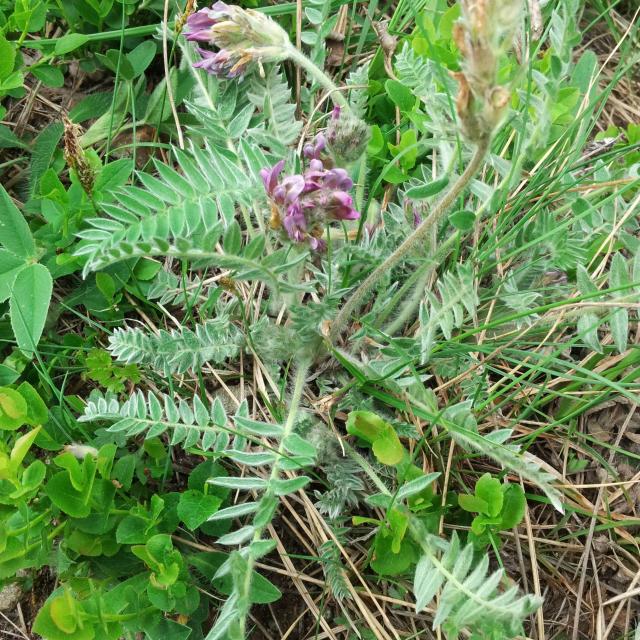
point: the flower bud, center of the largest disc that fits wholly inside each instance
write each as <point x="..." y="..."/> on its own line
<point x="347" y="136"/>
<point x="81" y="451"/>
<point x="240" y="37"/>
<point x="484" y="33"/>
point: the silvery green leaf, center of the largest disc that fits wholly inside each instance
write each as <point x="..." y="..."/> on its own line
<point x="245" y="484"/>
<point x="417" y="485"/>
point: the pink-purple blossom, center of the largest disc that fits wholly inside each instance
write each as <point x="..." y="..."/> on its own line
<point x="304" y="203"/>
<point x="239" y="37"/>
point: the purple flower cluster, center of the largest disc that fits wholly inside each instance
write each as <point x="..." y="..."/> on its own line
<point x="239" y="36"/>
<point x="303" y="203"/>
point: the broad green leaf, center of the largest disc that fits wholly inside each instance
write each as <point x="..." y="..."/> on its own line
<point x="62" y="493"/>
<point x="15" y="234"/>
<point x="619" y="318"/>
<point x="463" y="219"/>
<point x="513" y="507"/>
<point x="407" y="149"/>
<point x="21" y="447"/>
<point x="376" y="141"/>
<point x="29" y="305"/>
<point x="142" y="56"/>
<point x="587" y="326"/>
<point x="7" y="57"/>
<point x="113" y="175"/>
<point x="366" y="425"/>
<point x="398" y="522"/>
<point x="195" y="508"/>
<point x="427" y="190"/>
<point x="389" y="449"/>
<point x="43" y="150"/>
<point x="64" y="613"/>
<point x="417" y="485"/>
<point x="489" y="489"/>
<point x="13" y="409"/>
<point x="472" y="504"/>
<point x="400" y="94"/>
<point x="69" y="43"/>
<point x="46" y="627"/>
<point x="160" y="628"/>
<point x="283" y="487"/>
<point x="387" y="563"/>
<point x="37" y="412"/>
<point x="31" y="479"/>
<point x="49" y="75"/>
<point x="10" y="266"/>
<point x="8" y="139"/>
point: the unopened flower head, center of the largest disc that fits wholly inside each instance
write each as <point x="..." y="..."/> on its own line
<point x="484" y="33"/>
<point x="239" y="37"/>
<point x="302" y="204"/>
<point x="347" y="135"/>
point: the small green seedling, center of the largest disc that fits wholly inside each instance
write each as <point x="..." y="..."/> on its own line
<point x="393" y="552"/>
<point x="499" y="507"/>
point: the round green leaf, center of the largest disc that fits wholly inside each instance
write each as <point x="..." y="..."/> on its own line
<point x="195" y="508"/>
<point x="389" y="449"/>
<point x="13" y="409"/>
<point x="489" y="489"/>
<point x="387" y="563"/>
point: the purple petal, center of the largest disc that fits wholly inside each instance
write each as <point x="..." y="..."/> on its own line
<point x="287" y="192"/>
<point x="295" y="223"/>
<point x="341" y="206"/>
<point x="270" y="176"/>
<point x="317" y="244"/>
<point x="338" y="179"/>
<point x="199" y="25"/>
<point x="315" y="148"/>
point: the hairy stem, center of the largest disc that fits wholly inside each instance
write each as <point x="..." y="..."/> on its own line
<point x="295" y="55"/>
<point x="355" y="301"/>
<point x="414" y="286"/>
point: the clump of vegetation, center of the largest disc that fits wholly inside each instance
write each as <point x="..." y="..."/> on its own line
<point x="326" y="305"/>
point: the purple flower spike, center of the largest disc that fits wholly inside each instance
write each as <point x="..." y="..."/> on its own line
<point x="303" y="204"/>
<point x="287" y="192"/>
<point x="217" y="63"/>
<point x="295" y="223"/>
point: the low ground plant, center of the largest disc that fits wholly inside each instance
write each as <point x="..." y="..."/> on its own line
<point x="302" y="300"/>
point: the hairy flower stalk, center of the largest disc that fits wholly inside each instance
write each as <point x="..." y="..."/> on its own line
<point x="416" y="239"/>
<point x="243" y="37"/>
<point x="485" y="32"/>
